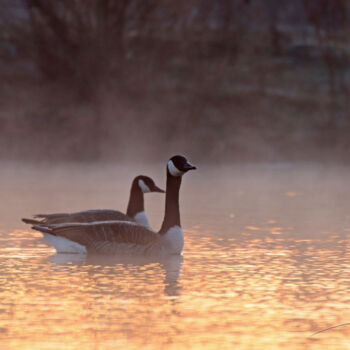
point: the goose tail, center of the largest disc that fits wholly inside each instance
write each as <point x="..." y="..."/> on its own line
<point x="31" y="221"/>
<point x="50" y="216"/>
<point x="43" y="229"/>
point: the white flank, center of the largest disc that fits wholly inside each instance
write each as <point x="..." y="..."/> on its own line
<point x="141" y="218"/>
<point x="64" y="245"/>
<point x="144" y="187"/>
<point x="173" y="170"/>
<point x="174" y="240"/>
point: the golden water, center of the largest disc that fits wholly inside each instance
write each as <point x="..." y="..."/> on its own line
<point x="266" y="263"/>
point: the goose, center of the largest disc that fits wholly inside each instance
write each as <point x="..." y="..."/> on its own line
<point x="122" y="237"/>
<point x="135" y="210"/>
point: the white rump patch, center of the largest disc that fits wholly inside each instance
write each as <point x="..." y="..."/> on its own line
<point x="144" y="187"/>
<point x="141" y="218"/>
<point x="173" y="170"/>
<point x="64" y="245"/>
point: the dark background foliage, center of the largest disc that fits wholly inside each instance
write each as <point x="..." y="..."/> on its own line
<point x="222" y="80"/>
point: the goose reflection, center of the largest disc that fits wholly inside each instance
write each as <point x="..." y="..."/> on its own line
<point x="171" y="265"/>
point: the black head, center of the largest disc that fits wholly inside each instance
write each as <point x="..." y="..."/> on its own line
<point x="146" y="184"/>
<point x="179" y="165"/>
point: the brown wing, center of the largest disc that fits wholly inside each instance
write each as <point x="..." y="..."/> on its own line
<point x="83" y="216"/>
<point x="93" y="234"/>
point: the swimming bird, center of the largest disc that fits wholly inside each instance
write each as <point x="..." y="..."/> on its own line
<point x="122" y="237"/>
<point x="135" y="210"/>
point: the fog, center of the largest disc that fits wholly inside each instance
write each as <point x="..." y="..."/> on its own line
<point x="300" y="199"/>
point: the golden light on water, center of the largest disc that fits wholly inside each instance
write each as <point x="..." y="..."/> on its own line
<point x="260" y="269"/>
<point x="261" y="292"/>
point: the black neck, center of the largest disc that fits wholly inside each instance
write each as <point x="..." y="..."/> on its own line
<point x="172" y="211"/>
<point x="136" y="200"/>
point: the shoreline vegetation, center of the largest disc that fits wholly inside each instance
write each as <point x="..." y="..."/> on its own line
<point x="221" y="81"/>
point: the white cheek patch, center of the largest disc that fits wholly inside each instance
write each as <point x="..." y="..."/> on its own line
<point x="173" y="170"/>
<point x="143" y="186"/>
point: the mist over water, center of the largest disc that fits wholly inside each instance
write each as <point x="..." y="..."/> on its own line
<point x="254" y="93"/>
<point x="265" y="262"/>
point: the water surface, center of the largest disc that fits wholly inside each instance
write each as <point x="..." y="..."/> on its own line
<point x="266" y="262"/>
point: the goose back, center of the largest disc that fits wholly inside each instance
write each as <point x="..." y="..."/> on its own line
<point x="81" y="216"/>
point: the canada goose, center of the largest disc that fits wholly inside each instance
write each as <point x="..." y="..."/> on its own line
<point x="120" y="237"/>
<point x="135" y="211"/>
